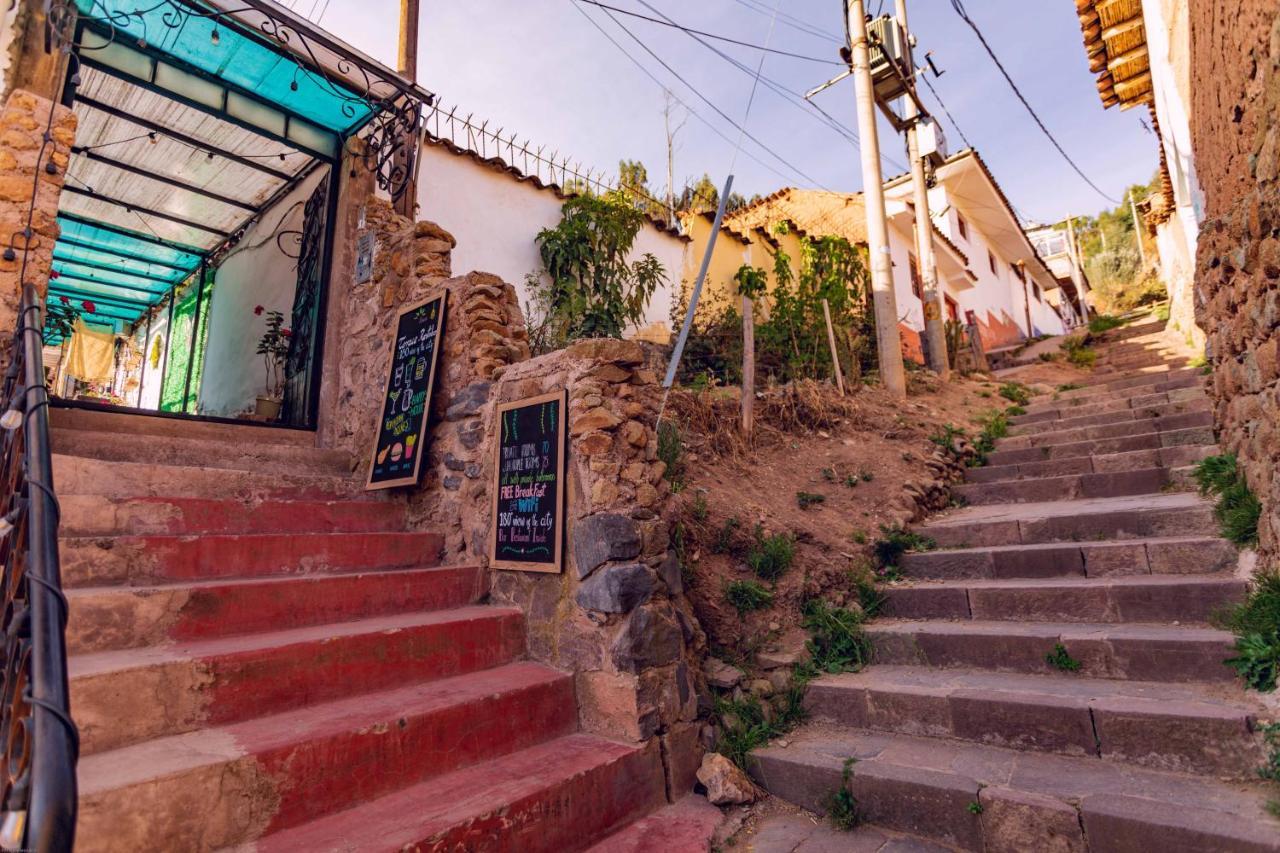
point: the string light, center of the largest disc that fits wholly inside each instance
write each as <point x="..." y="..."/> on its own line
<point x="214" y="37"/>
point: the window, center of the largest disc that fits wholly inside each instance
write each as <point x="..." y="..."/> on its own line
<point x="917" y="285"/>
<point x="962" y="225"/>
<point x="953" y="310"/>
<point x="1035" y="288"/>
<point x="1016" y="269"/>
<point x="991" y="259"/>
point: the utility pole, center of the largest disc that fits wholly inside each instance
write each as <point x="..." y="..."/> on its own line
<point x="892" y="373"/>
<point x="1137" y="229"/>
<point x="671" y="154"/>
<point x="1079" y="267"/>
<point x="934" y="315"/>
<point x="407" y="65"/>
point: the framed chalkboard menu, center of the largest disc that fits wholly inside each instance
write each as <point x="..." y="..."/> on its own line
<point x="528" y="484"/>
<point x="406" y="406"/>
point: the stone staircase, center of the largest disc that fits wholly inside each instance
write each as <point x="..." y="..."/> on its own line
<point x="1047" y="679"/>
<point x="265" y="658"/>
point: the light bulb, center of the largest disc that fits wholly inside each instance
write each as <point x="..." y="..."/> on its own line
<point x="214" y="37"/>
<point x="11" y="419"/>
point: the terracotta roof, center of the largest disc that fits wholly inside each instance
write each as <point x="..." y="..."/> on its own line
<point x="1115" y="39"/>
<point x="497" y="164"/>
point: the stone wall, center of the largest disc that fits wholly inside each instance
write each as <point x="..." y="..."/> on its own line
<point x="1235" y="126"/>
<point x="35" y="143"/>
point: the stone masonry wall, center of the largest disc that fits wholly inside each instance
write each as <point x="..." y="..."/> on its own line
<point x="1235" y="125"/>
<point x="29" y="166"/>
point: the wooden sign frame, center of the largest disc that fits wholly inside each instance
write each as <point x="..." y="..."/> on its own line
<point x="412" y="480"/>
<point x="556" y="564"/>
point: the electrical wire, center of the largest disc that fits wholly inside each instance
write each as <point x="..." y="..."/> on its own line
<point x="789" y="21"/>
<point x="667" y="22"/>
<point x="947" y="112"/>
<point x="958" y="6"/>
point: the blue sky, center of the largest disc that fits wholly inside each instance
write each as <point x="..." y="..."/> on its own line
<point x="539" y="67"/>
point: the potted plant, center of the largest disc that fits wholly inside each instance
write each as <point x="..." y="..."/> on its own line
<point x="274" y="348"/>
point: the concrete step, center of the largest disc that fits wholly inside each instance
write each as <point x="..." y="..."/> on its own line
<point x="1162" y="407"/>
<point x="1176" y="599"/>
<point x="1147" y="481"/>
<point x="1135" y="652"/>
<point x="108" y="618"/>
<point x="1194" y="436"/>
<point x="687" y="824"/>
<point x="163" y="426"/>
<point x="81" y="475"/>
<point x="95" y="515"/>
<point x="561" y="795"/>
<point x="1026" y="801"/>
<point x="202" y="453"/>
<point x="1184" y="728"/>
<point x="1050" y="437"/>
<point x="1182" y="514"/>
<point x="1160" y="556"/>
<point x="127" y="696"/>
<point x="1179" y="456"/>
<point x="222" y="786"/>
<point x="144" y="560"/>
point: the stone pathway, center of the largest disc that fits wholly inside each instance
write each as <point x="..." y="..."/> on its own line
<point x="1047" y="679"/>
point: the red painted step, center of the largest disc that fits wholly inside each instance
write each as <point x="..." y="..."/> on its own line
<point x="94" y="515"/>
<point x="688" y="824"/>
<point x="557" y="797"/>
<point x="127" y="696"/>
<point x="218" y="787"/>
<point x="105" y="618"/>
<point x="149" y="559"/>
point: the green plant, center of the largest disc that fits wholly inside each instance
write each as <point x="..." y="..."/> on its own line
<point x="60" y="318"/>
<point x="771" y="556"/>
<point x="1162" y="313"/>
<point x="836" y="641"/>
<point x="699" y="510"/>
<point x="1014" y="411"/>
<point x="671" y="451"/>
<point x="975" y="807"/>
<point x="1238" y="508"/>
<point x="1257" y="660"/>
<point x="273" y="346"/>
<point x="1271" y="737"/>
<point x="842" y="808"/>
<point x="744" y="725"/>
<point x="895" y="541"/>
<point x="723" y="543"/>
<point x="859" y="537"/>
<point x="866" y="475"/>
<point x="1015" y="393"/>
<point x="1100" y="323"/>
<point x="1061" y="659"/>
<point x="946" y="436"/>
<point x="591" y="288"/>
<point x="1078" y="351"/>
<point x="808" y="499"/>
<point x="1069" y="386"/>
<point x="829" y="474"/>
<point x="871" y="598"/>
<point x="746" y="596"/>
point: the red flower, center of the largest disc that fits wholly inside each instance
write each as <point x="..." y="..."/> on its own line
<point x="64" y="300"/>
<point x="89" y="306"/>
<point x="286" y="333"/>
<point x="54" y="274"/>
<point x="258" y="310"/>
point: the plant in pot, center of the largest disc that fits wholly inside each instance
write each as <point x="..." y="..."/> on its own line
<point x="274" y="349"/>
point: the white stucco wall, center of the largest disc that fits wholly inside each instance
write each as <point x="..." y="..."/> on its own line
<point x="992" y="294"/>
<point x="255" y="273"/>
<point x="152" y="380"/>
<point x="495" y="217"/>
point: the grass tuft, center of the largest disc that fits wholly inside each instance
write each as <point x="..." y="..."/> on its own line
<point x="746" y="596"/>
<point x="1061" y="659"/>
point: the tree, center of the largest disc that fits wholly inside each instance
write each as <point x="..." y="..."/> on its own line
<point x="699" y="197"/>
<point x="633" y="187"/>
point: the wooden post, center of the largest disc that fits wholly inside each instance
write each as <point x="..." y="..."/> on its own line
<point x="407" y="158"/>
<point x="748" y="366"/>
<point x="831" y="340"/>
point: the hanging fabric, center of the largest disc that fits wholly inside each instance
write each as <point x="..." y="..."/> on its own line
<point x="91" y="355"/>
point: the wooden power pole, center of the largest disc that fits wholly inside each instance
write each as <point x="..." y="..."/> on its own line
<point x="934" y="314"/>
<point x="892" y="373"/>
<point x="1137" y="229"/>
<point x="407" y="65"/>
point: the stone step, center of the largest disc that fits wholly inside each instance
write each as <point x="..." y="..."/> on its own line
<point x="1025" y="801"/>
<point x="1161" y="556"/>
<point x="1111" y="388"/>
<point x="1183" y="728"/>
<point x="1182" y="514"/>
<point x="81" y="475"/>
<point x="1193" y="436"/>
<point x="1176" y="599"/>
<point x="166" y="426"/>
<point x="222" y="786"/>
<point x="1146" y="481"/>
<point x="201" y="453"/>
<point x="687" y="824"/>
<point x="94" y="515"/>
<point x="1179" y="456"/>
<point x="1136" y="652"/>
<point x="108" y="618"/>
<point x="143" y="560"/>
<point x="561" y="795"/>
<point x="127" y="696"/>
<point x="1148" y="411"/>
<point x="1052" y="436"/>
<point x="1104" y="404"/>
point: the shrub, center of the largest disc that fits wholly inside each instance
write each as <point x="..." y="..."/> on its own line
<point x="745" y="727"/>
<point x="1061" y="659"/>
<point x="808" y="499"/>
<point x="746" y="596"/>
<point x="1100" y="323"/>
<point x="896" y="541"/>
<point x="842" y="807"/>
<point x="836" y="642"/>
<point x="1238" y="508"/>
<point x="1256" y="624"/>
<point x="1078" y="352"/>
<point x="671" y="452"/>
<point x="1015" y="393"/>
<point x="1257" y="660"/>
<point x="771" y="556"/>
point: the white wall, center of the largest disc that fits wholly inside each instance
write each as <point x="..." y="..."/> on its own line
<point x="255" y="273"/>
<point x="992" y="295"/>
<point x="495" y="217"/>
<point x="910" y="308"/>
<point x="154" y="377"/>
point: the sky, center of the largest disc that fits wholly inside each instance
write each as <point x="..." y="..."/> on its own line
<point x="542" y="69"/>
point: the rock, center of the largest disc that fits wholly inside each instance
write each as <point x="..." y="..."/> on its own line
<point x="780" y="679"/>
<point x="453" y="463"/>
<point x="452" y="482"/>
<point x="608" y="349"/>
<point x="669" y="571"/>
<point x="761" y="688"/>
<point x="651" y="638"/>
<point x="598" y="418"/>
<point x="720" y="674"/>
<point x="725" y="783"/>
<point x="602" y="537"/>
<point x="471" y="434"/>
<point x="616" y="589"/>
<point x="468" y="402"/>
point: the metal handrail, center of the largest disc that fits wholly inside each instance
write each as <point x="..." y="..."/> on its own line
<point x="41" y="743"/>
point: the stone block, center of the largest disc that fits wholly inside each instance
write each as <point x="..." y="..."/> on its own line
<point x="946" y="565"/>
<point x="918" y="801"/>
<point x="1023" y="721"/>
<point x="1114" y="558"/>
<point x="927" y="602"/>
<point x="1190" y="737"/>
<point x="1019" y="821"/>
<point x="602" y="537"/>
<point x="1039" y="562"/>
<point x="650" y="637"/>
<point x="1138" y="825"/>
<point x="616" y="588"/>
<point x="1190" y="556"/>
<point x="468" y="402"/>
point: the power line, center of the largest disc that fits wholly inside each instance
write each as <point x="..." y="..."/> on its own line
<point x="790" y="21"/>
<point x="691" y="31"/>
<point x="947" y="112"/>
<point x="964" y="16"/>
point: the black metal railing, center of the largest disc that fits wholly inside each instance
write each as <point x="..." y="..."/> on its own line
<point x="41" y="745"/>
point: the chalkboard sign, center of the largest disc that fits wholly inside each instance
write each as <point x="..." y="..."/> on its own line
<point x="402" y="428"/>
<point x="528" y="485"/>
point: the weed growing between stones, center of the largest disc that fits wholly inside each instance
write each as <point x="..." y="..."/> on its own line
<point x="1256" y="624"/>
<point x="896" y="541"/>
<point x="808" y="499"/>
<point x="746" y="596"/>
<point x="1078" y="351"/>
<point x="746" y="725"/>
<point x="1238" y="508"/>
<point x="975" y="807"/>
<point x="842" y="807"/>
<point x="723" y="543"/>
<point x="1015" y="411"/>
<point x="771" y="556"/>
<point x="1015" y="393"/>
<point x="671" y="453"/>
<point x="1100" y="323"/>
<point x="837" y="643"/>
<point x="1061" y="659"/>
<point x="1270" y="770"/>
<point x="1068" y="386"/>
